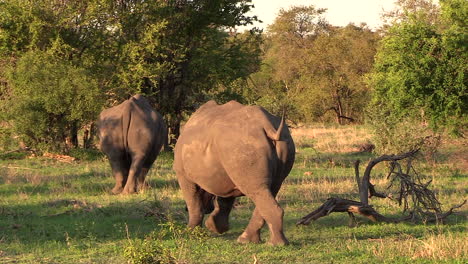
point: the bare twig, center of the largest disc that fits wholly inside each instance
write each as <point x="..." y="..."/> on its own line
<point x="356" y="171"/>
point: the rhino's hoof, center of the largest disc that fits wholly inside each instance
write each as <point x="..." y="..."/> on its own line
<point x="278" y="242"/>
<point x="117" y="190"/>
<point x="245" y="238"/>
<point x="128" y="191"/>
<point x="218" y="228"/>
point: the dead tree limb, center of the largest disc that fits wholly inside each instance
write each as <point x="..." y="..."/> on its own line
<point x="365" y="184"/>
<point x="343" y="205"/>
<point x="416" y="198"/>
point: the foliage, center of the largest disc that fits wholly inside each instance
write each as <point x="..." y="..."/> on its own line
<point x="64" y="43"/>
<point x="178" y="53"/>
<point x="7" y="141"/>
<point x="89" y="154"/>
<point x="397" y="135"/>
<point x="419" y="74"/>
<point x="52" y="94"/>
<point x="150" y="250"/>
<point x="313" y="68"/>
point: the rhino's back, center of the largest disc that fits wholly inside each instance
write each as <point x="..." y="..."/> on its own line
<point x="211" y="112"/>
<point x="132" y="125"/>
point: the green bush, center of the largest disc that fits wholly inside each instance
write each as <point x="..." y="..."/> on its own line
<point x="49" y="100"/>
<point x="392" y="135"/>
<point x="7" y="140"/>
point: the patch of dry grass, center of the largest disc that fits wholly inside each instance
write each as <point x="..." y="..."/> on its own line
<point x="432" y="247"/>
<point x="341" y="139"/>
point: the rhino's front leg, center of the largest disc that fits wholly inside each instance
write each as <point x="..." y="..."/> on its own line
<point x="218" y="221"/>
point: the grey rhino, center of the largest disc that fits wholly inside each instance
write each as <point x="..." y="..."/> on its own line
<point x="232" y="150"/>
<point x="131" y="135"/>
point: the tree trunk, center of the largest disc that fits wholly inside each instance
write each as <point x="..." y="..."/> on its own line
<point x="74" y="135"/>
<point x="339" y="111"/>
<point x="173" y="133"/>
<point x="88" y="135"/>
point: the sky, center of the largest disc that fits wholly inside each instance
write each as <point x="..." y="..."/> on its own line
<point x="339" y="12"/>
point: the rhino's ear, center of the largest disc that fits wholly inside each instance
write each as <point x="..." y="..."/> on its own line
<point x="280" y="128"/>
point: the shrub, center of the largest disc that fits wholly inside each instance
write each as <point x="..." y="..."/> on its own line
<point x="49" y="99"/>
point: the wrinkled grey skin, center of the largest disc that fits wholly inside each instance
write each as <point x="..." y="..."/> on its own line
<point x="232" y="150"/>
<point x="131" y="135"/>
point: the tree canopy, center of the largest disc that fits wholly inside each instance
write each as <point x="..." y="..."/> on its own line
<point x="420" y="69"/>
<point x="174" y="52"/>
<point x="314" y="68"/>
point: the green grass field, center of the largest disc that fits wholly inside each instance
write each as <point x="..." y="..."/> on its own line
<point x="56" y="212"/>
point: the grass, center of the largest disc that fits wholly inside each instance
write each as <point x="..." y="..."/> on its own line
<point x="55" y="212"/>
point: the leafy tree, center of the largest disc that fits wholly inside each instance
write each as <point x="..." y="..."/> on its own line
<point x="278" y="84"/>
<point x="315" y="68"/>
<point x="178" y="53"/>
<point x="49" y="47"/>
<point x="52" y="99"/>
<point x="336" y="65"/>
<point x="419" y="72"/>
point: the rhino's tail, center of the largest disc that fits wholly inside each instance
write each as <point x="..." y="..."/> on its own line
<point x="126" y="118"/>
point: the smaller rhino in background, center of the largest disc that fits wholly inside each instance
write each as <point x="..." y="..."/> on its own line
<point x="131" y="135"/>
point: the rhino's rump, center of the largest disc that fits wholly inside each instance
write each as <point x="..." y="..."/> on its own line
<point x="131" y="128"/>
<point x="222" y="156"/>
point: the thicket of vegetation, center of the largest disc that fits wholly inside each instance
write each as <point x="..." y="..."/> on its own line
<point x="62" y="62"/>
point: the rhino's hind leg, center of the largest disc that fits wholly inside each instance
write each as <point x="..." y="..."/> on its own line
<point x="142" y="184"/>
<point x="251" y="233"/>
<point x="218" y="221"/>
<point x="120" y="172"/>
<point x="266" y="209"/>
<point x="134" y="172"/>
<point x="192" y="196"/>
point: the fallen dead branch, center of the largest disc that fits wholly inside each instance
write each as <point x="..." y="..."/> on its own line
<point x="418" y="201"/>
<point x="59" y="157"/>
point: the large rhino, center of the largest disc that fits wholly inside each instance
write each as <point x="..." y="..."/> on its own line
<point x="131" y="135"/>
<point x="232" y="150"/>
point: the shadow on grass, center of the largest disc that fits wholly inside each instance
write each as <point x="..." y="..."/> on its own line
<point x="35" y="184"/>
<point x="70" y="220"/>
<point x="158" y="183"/>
